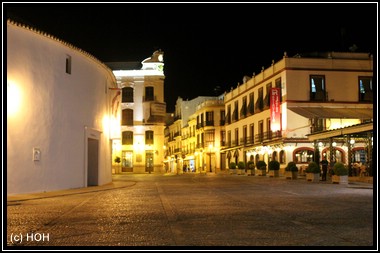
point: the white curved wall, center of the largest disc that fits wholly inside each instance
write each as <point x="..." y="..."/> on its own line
<point x="54" y="109"/>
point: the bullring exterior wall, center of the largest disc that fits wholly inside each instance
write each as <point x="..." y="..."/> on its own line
<point x="58" y="97"/>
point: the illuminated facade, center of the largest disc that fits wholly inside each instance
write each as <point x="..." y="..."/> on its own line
<point x="141" y="111"/>
<point x="273" y="115"/>
<point x="59" y="114"/>
<point x="193" y="132"/>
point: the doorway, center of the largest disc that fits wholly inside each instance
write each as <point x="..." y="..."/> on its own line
<point x="149" y="161"/>
<point x="92" y="162"/>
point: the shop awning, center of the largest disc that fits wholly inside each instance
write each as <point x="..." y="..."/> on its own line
<point x="350" y="130"/>
<point x="332" y="110"/>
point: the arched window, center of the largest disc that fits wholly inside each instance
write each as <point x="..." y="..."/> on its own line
<point x="257" y="158"/>
<point x="282" y="157"/>
<point x="339" y="154"/>
<point x="303" y="155"/>
<point x="274" y="156"/>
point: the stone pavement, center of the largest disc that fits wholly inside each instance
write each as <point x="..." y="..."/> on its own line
<point x="151" y="211"/>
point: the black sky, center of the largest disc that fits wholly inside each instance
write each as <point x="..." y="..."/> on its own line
<point x="205" y="45"/>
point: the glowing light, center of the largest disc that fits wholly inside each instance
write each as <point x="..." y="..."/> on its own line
<point x="14" y="98"/>
<point x="106" y="124"/>
<point x="117" y="145"/>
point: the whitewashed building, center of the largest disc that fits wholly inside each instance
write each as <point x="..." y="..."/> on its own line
<point x="139" y="141"/>
<point x="59" y="114"/>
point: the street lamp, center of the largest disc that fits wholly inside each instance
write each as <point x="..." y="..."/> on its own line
<point x="210" y="149"/>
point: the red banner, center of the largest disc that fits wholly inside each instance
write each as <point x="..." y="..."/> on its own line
<point x="275" y="113"/>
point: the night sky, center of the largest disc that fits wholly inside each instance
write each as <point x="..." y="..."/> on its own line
<point x="205" y="45"/>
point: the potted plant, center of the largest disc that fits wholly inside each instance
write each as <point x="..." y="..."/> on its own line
<point x="262" y="168"/>
<point x="241" y="168"/>
<point x="232" y="167"/>
<point x="274" y="168"/>
<point x="250" y="168"/>
<point x="313" y="172"/>
<point x="340" y="173"/>
<point x="291" y="170"/>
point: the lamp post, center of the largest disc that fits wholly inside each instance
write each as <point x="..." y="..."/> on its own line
<point x="210" y="149"/>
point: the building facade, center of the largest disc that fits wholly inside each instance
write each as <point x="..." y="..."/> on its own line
<point x="58" y="114"/>
<point x="185" y="137"/>
<point x="272" y="115"/>
<point x="141" y="111"/>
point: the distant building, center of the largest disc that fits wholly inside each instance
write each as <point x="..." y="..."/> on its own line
<point x="58" y="114"/>
<point x="185" y="137"/>
<point x="141" y="111"/>
<point x="281" y="113"/>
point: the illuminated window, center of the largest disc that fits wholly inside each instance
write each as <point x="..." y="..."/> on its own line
<point x="209" y="137"/>
<point x="127" y="159"/>
<point x="303" y="156"/>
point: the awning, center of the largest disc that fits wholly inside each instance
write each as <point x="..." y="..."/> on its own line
<point x="350" y="130"/>
<point x="332" y="110"/>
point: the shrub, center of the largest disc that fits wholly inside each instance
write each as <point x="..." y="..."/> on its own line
<point x="251" y="165"/>
<point x="313" y="168"/>
<point x="261" y="165"/>
<point x="117" y="159"/>
<point x="232" y="165"/>
<point x="291" y="166"/>
<point x="241" y="165"/>
<point x="340" y="169"/>
<point x="274" y="165"/>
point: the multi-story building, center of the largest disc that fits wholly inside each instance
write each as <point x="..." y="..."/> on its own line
<point x="210" y="134"/>
<point x="276" y="114"/>
<point x="142" y="112"/>
<point x="181" y="134"/>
